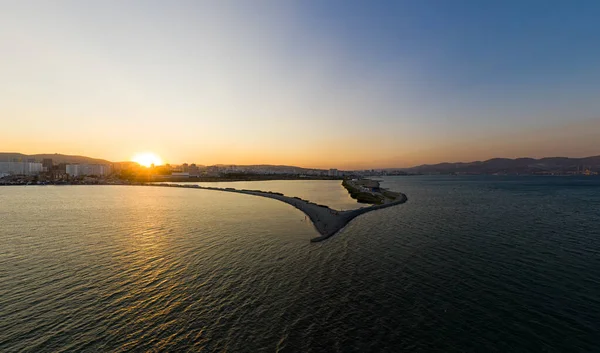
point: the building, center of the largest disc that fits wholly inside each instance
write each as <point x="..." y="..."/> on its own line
<point x="20" y="168"/>
<point x="194" y="170"/>
<point x="76" y="170"/>
<point x="213" y="171"/>
<point x="333" y="172"/>
<point x="47" y="164"/>
<point x="180" y="174"/>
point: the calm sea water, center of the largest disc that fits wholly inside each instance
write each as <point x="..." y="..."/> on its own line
<point x="485" y="264"/>
<point x="327" y="192"/>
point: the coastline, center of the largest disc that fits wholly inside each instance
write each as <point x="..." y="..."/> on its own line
<point x="239" y="177"/>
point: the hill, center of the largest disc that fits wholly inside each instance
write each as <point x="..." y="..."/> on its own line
<point x="56" y="158"/>
<point x="547" y="165"/>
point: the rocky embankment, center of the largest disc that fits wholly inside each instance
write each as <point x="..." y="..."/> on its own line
<point x="369" y="191"/>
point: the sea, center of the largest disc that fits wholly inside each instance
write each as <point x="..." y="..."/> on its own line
<point x="468" y="264"/>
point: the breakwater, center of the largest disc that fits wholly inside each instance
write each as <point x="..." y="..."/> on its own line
<point x="326" y="220"/>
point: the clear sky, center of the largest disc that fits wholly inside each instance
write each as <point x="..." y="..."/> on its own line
<point x="346" y="84"/>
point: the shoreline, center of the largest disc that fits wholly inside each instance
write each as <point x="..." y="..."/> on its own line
<point x="248" y="177"/>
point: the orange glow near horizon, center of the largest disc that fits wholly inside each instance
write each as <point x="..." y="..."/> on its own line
<point x="147" y="159"/>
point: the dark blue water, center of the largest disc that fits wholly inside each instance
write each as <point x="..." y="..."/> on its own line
<point x="469" y="264"/>
<point x="514" y="262"/>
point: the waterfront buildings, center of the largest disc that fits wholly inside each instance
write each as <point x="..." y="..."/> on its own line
<point x="181" y="174"/>
<point x="20" y="168"/>
<point x="75" y="170"/>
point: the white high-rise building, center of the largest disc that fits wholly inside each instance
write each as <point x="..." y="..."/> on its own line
<point x="20" y="168"/>
<point x="87" y="169"/>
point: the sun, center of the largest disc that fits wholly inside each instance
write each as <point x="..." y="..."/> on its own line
<point x="147" y="159"/>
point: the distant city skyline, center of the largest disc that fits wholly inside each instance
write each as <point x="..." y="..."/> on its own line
<point x="15" y="162"/>
<point x="315" y="84"/>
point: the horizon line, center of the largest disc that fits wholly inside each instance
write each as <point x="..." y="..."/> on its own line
<point x="303" y="167"/>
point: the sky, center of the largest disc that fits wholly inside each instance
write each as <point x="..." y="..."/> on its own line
<point x="323" y="84"/>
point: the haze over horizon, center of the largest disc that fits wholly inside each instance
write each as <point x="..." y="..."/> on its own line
<point x="338" y="84"/>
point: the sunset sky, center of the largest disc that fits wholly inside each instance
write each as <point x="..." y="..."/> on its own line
<point x="346" y="84"/>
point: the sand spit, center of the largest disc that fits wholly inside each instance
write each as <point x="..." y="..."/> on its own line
<point x="326" y="220"/>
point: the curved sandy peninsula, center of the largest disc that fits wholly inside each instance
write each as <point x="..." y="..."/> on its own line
<point x="326" y="220"/>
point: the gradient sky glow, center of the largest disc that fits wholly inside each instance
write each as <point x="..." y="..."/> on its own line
<point x="346" y="84"/>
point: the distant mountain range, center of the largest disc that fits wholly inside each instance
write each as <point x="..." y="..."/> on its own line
<point x="513" y="166"/>
<point x="56" y="158"/>
<point x="490" y="166"/>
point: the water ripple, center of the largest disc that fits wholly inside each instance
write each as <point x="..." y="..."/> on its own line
<point x="467" y="265"/>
